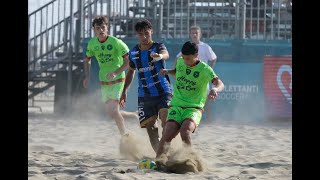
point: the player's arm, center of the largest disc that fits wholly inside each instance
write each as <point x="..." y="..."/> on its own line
<point x="162" y="54"/>
<point x="218" y="87"/>
<point x="129" y="78"/>
<point x="163" y="51"/>
<point x="128" y="81"/>
<point x="122" y="50"/>
<point x="218" y="84"/>
<point x="172" y="72"/>
<point x="87" y="66"/>
<point x="87" y="70"/>
<point x="165" y="54"/>
<point x="124" y="66"/>
<point x="89" y="55"/>
<point x="212" y="57"/>
<point x="212" y="62"/>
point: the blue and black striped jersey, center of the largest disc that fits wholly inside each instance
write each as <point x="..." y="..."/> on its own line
<point x="150" y="82"/>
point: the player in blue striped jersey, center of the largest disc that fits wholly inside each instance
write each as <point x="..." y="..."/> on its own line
<point x="154" y="93"/>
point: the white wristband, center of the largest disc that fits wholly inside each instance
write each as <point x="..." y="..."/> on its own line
<point x="158" y="58"/>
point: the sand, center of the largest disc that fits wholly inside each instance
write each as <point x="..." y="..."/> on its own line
<point x="83" y="148"/>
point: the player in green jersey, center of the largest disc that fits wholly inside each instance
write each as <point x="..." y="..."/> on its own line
<point x="112" y="56"/>
<point x="189" y="96"/>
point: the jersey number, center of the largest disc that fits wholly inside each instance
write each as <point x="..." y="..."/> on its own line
<point x="141" y="112"/>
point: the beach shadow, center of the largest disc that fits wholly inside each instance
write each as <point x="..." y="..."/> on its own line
<point x="263" y="165"/>
<point x="67" y="171"/>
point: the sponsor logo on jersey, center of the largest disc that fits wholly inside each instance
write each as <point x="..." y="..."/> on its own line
<point x="186" y="81"/>
<point x="103" y="58"/>
<point x="151" y="84"/>
<point x="180" y="68"/>
<point x="196" y="74"/>
<point x="149" y="77"/>
<point x="109" y="47"/>
<point x="146" y="69"/>
<point x="134" y="52"/>
<point x="188" y="71"/>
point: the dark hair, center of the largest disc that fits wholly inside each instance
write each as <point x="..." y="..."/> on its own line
<point x="189" y="48"/>
<point x="99" y="20"/>
<point x="142" y="25"/>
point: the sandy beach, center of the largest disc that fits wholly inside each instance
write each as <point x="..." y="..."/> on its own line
<point x="88" y="148"/>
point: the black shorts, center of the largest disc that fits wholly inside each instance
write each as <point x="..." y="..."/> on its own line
<point x="149" y="107"/>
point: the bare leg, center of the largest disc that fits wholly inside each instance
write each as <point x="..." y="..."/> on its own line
<point x="171" y="130"/>
<point x="152" y="129"/>
<point x="186" y="130"/>
<point x="129" y="115"/>
<point x="112" y="108"/>
<point x="163" y="113"/>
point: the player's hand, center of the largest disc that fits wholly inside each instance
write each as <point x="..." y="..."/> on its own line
<point x="85" y="82"/>
<point x="156" y="57"/>
<point x="163" y="72"/>
<point x="111" y="76"/>
<point x="123" y="98"/>
<point x="213" y="94"/>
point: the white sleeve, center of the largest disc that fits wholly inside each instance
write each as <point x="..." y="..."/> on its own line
<point x="210" y="54"/>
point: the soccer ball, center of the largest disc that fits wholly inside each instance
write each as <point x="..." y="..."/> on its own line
<point x="147" y="164"/>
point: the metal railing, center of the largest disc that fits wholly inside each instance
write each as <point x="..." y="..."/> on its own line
<point x="50" y="37"/>
<point x="61" y="25"/>
<point x="240" y="19"/>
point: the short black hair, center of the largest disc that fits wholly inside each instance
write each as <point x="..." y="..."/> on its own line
<point x="99" y="20"/>
<point x="189" y="48"/>
<point x="143" y="25"/>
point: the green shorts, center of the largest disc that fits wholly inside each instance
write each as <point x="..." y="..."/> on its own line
<point x="180" y="114"/>
<point x="112" y="92"/>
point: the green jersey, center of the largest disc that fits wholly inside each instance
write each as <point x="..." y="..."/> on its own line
<point x="190" y="88"/>
<point x="108" y="54"/>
